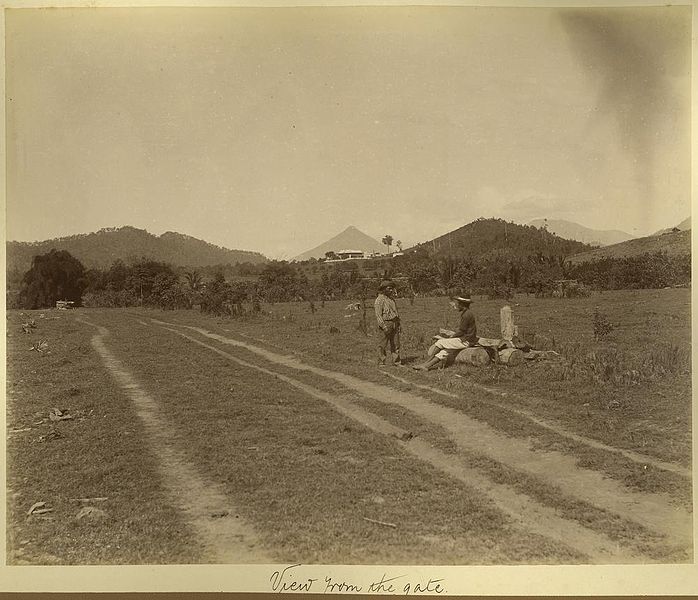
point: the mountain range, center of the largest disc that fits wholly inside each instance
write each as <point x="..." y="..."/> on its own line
<point x="100" y="249"/>
<point x="482" y="236"/>
<point x="349" y="239"/>
<point x="575" y="231"/>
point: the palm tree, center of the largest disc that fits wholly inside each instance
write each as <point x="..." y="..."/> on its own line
<point x="387" y="240"/>
<point x="399" y="245"/>
<point x="194" y="279"/>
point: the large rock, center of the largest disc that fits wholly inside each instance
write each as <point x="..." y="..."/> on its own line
<point x="511" y="356"/>
<point x="473" y="356"/>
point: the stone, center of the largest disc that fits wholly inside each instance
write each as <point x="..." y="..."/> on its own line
<point x="473" y="356"/>
<point x="511" y="356"/>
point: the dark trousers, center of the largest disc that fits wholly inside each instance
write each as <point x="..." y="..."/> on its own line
<point x="390" y="338"/>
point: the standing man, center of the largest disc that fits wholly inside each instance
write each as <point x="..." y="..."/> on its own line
<point x="388" y="323"/>
<point x="464" y="337"/>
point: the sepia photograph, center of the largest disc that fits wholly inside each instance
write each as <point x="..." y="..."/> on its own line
<point x="372" y="286"/>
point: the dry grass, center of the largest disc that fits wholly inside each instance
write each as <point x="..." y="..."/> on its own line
<point x="634" y="475"/>
<point x="306" y="476"/>
<point x="100" y="453"/>
<point x="632" y="389"/>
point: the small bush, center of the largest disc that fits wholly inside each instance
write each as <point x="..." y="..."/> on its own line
<point x="665" y="358"/>
<point x="577" y="290"/>
<point x="602" y="326"/>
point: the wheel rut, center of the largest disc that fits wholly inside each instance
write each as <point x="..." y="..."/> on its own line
<point x="552" y="467"/>
<point x="636" y="457"/>
<point x="226" y="537"/>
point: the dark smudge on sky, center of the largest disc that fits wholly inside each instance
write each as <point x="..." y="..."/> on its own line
<point x="632" y="54"/>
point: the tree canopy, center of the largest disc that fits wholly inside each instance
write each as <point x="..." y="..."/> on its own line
<point x="56" y="275"/>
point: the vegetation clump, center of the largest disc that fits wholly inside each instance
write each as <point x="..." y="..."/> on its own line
<point x="602" y="326"/>
<point x="56" y="275"/>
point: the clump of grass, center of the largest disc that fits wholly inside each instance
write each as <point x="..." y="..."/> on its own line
<point x="602" y="326"/>
<point x="609" y="364"/>
<point x="666" y="358"/>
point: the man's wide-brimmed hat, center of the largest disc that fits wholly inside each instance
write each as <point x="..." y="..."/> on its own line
<point x="384" y="285"/>
<point x="463" y="299"/>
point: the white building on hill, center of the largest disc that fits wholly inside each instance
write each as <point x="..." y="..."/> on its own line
<point x="347" y="254"/>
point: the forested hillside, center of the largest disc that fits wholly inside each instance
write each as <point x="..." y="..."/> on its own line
<point x="483" y="236"/>
<point x="672" y="243"/>
<point x="102" y="248"/>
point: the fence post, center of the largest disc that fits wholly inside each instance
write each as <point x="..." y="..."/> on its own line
<point x="507" y="323"/>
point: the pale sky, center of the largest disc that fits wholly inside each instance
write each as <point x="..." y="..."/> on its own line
<point x="273" y="129"/>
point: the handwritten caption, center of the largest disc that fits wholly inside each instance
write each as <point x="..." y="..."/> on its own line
<point x="291" y="579"/>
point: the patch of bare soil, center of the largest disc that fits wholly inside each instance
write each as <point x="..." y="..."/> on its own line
<point x="652" y="511"/>
<point x="227" y="538"/>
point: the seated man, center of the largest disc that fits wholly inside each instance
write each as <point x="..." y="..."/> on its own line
<point x="464" y="337"/>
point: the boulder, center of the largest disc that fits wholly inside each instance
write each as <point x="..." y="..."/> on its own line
<point x="473" y="356"/>
<point x="511" y="356"/>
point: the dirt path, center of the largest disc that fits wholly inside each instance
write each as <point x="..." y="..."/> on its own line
<point x="226" y="537"/>
<point x="637" y="457"/>
<point x="653" y="511"/>
<point x="641" y="459"/>
<point x="550" y="425"/>
<point x="529" y="513"/>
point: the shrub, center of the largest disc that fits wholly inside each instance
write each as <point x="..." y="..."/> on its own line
<point x="602" y="326"/>
<point x="665" y="358"/>
<point x="577" y="290"/>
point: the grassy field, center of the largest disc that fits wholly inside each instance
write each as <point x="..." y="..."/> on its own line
<point x="632" y="388"/>
<point x="101" y="452"/>
<point x="316" y="485"/>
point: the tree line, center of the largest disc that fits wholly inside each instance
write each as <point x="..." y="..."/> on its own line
<point x="57" y="275"/>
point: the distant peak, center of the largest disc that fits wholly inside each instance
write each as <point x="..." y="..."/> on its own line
<point x="351" y="237"/>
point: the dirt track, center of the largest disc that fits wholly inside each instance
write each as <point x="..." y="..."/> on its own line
<point x="227" y="538"/>
<point x="235" y="542"/>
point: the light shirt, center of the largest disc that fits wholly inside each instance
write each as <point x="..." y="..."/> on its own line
<point x="386" y="310"/>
